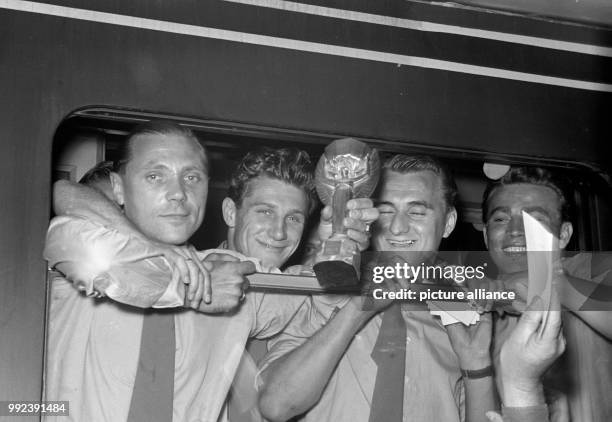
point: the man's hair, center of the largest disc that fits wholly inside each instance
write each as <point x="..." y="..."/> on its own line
<point x="98" y="173"/>
<point x="534" y="176"/>
<point x="404" y="164"/>
<point x="154" y="127"/>
<point x="289" y="165"/>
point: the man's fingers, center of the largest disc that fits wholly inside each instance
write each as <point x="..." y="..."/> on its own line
<point x="207" y="294"/>
<point x="204" y="280"/>
<point x="367" y="215"/>
<point x="494" y="416"/>
<point x="200" y="278"/>
<point x="403" y="283"/>
<point x="246" y="267"/>
<point x="553" y="326"/>
<point x="180" y="257"/>
<point x="361" y="239"/>
<point x="521" y="290"/>
<point x="180" y="263"/>
<point x="221" y="257"/>
<point x="458" y="334"/>
<point x="392" y="284"/>
<point x="357" y="203"/>
<point x="532" y="317"/>
<point x="193" y="278"/>
<point x="518" y="305"/>
<point x="355" y="224"/>
<point x="195" y="302"/>
<point x="486" y="319"/>
<point x="326" y="214"/>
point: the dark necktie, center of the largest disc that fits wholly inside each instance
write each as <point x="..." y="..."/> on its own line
<point x="390" y="356"/>
<point x="153" y="392"/>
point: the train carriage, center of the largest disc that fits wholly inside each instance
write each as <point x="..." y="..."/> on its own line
<point x="525" y="83"/>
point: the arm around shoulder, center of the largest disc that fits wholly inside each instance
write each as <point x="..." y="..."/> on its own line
<point x="103" y="261"/>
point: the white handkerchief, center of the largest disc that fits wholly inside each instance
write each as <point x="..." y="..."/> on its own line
<point x="540" y="263"/>
<point x="449" y="313"/>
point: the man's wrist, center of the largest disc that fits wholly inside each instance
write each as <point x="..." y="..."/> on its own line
<point x="481" y="372"/>
<point x="520" y="393"/>
<point x="473" y="363"/>
<point x="355" y="308"/>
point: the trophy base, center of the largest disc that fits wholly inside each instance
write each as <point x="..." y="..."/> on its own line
<point x="337" y="267"/>
<point x="336" y="274"/>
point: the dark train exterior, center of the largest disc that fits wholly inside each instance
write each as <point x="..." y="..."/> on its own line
<point x="461" y="82"/>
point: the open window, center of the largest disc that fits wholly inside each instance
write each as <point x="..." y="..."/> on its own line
<point x="93" y="134"/>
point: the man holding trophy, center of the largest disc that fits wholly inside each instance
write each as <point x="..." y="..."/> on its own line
<point x="370" y="362"/>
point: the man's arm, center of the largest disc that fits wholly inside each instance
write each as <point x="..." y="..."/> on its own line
<point x="525" y="356"/>
<point x="71" y="198"/>
<point x="79" y="200"/>
<point x="294" y="383"/>
<point x="471" y="345"/>
<point x="102" y="261"/>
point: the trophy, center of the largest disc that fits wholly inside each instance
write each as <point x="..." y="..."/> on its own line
<point x="348" y="169"/>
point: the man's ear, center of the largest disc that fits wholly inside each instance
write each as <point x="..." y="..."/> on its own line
<point x="484" y="234"/>
<point x="565" y="234"/>
<point x="228" y="209"/>
<point x="451" y="220"/>
<point x="118" y="191"/>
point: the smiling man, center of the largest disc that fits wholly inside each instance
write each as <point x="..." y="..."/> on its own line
<point x="267" y="205"/>
<point x="587" y="366"/>
<point x="336" y="374"/>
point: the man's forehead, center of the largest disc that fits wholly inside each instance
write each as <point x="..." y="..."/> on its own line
<point x="413" y="186"/>
<point x="524" y="195"/>
<point x="151" y="150"/>
<point x="268" y="191"/>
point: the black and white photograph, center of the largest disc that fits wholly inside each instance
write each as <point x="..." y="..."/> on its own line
<point x="306" y="211"/>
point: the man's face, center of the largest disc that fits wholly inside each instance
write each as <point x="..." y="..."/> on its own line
<point x="164" y="187"/>
<point x="413" y="214"/>
<point x="270" y="221"/>
<point x="504" y="232"/>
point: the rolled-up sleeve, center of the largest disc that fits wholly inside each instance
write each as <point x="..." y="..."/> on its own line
<point x="101" y="260"/>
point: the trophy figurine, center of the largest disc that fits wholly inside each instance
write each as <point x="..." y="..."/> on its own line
<point x="348" y="169"/>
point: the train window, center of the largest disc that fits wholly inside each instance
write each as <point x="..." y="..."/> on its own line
<point x="94" y="134"/>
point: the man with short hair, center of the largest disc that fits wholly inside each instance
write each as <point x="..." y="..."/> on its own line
<point x="588" y="359"/>
<point x="93" y="345"/>
<point x="336" y="374"/>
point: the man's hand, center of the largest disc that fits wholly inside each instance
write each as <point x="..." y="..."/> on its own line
<point x="366" y="301"/>
<point x="527" y="354"/>
<point x="229" y="283"/>
<point x="360" y="214"/>
<point x="518" y="283"/>
<point x="494" y="416"/>
<point x="490" y="285"/>
<point x="472" y="344"/>
<point x="305" y="270"/>
<point x="191" y="271"/>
